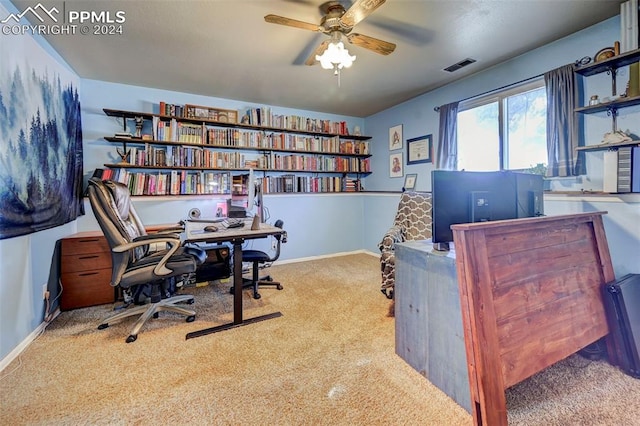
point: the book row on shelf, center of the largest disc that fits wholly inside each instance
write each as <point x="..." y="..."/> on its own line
<point x="285" y="141"/>
<point x="220" y="183"/>
<point x="309" y="184"/>
<point x="315" y="163"/>
<point x="174" y="131"/>
<point x="174" y="182"/>
<point x="188" y="156"/>
<point x="262" y="116"/>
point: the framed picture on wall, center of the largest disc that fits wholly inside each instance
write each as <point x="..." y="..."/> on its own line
<point x="395" y="137"/>
<point x="419" y="149"/>
<point x="395" y="165"/>
<point x="410" y="181"/>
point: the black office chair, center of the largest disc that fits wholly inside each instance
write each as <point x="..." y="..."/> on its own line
<point x="133" y="264"/>
<point x="257" y="258"/>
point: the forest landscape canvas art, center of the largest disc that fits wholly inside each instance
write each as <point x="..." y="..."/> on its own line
<point x="40" y="140"/>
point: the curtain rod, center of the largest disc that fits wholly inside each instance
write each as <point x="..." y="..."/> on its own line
<point x="437" y="109"/>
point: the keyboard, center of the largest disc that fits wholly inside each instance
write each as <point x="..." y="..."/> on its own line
<point x="212" y="220"/>
<point x="232" y="223"/>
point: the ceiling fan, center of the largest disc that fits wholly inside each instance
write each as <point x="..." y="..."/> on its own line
<point x="338" y="22"/>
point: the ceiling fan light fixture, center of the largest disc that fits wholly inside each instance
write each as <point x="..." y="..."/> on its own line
<point x="335" y="57"/>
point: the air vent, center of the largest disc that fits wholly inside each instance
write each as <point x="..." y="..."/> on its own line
<point x="462" y="63"/>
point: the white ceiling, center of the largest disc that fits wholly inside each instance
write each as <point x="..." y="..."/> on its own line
<point x="224" y="48"/>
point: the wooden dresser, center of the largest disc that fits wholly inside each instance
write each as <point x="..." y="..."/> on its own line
<point x="530" y="295"/>
<point x="85" y="271"/>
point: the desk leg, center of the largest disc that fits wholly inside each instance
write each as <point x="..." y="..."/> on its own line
<point x="237" y="282"/>
<point x="237" y="299"/>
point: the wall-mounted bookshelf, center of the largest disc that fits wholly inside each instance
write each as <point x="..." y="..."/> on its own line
<point x="188" y="154"/>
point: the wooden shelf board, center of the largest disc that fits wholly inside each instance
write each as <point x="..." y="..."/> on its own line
<point x="115" y="139"/>
<point x="607" y="146"/>
<point x="611" y="63"/>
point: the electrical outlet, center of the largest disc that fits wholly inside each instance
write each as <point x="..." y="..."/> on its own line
<point x="45" y="292"/>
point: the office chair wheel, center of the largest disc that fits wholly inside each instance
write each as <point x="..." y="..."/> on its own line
<point x="279" y="286"/>
<point x="231" y="290"/>
<point x="256" y="296"/>
<point x="103" y="326"/>
<point x="191" y="318"/>
<point x="156" y="314"/>
<point x="132" y="338"/>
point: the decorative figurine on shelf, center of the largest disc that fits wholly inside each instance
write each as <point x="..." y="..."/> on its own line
<point x="123" y="153"/>
<point x="616" y="137"/>
<point x="139" y="122"/>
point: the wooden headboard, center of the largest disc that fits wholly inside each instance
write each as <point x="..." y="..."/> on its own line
<point x="531" y="295"/>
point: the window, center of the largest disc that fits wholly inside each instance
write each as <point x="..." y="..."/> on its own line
<point x="505" y="130"/>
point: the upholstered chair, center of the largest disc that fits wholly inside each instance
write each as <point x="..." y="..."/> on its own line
<point x="412" y="222"/>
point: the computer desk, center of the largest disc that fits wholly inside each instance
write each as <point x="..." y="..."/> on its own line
<point x="194" y="233"/>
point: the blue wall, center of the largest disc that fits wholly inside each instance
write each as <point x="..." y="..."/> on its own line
<point x="319" y="224"/>
<point x="622" y="223"/>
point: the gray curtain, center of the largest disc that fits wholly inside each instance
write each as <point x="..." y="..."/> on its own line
<point x="447" y="155"/>
<point x="562" y="123"/>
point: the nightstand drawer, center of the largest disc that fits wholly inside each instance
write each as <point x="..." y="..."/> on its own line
<point x="85" y="245"/>
<point x="88" y="288"/>
<point x="85" y="262"/>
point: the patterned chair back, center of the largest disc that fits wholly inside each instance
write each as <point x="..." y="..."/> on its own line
<point x="414" y="216"/>
<point x="412" y="222"/>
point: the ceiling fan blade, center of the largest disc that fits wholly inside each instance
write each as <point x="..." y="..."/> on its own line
<point x="379" y="46"/>
<point x="281" y="20"/>
<point x="311" y="60"/>
<point x="360" y="10"/>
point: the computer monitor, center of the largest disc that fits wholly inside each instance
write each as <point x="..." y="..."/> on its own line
<point x="467" y="197"/>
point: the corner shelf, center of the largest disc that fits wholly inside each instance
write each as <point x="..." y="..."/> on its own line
<point x="609" y="106"/>
<point x="609" y="64"/>
<point x="607" y="146"/>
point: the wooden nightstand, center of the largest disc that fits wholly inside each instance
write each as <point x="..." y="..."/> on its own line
<point x="85" y="267"/>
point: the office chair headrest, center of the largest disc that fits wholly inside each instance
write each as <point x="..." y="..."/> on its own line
<point x="121" y="198"/>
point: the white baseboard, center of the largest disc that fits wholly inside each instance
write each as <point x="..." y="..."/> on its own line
<point x="325" y="256"/>
<point x="15" y="353"/>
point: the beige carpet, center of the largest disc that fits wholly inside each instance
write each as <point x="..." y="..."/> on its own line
<point x="329" y="360"/>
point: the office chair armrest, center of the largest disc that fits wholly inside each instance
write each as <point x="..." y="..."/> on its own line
<point x="177" y="228"/>
<point x="160" y="269"/>
<point x="150" y="238"/>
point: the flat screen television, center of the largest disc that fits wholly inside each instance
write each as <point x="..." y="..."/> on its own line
<point x="467" y="197"/>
